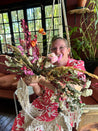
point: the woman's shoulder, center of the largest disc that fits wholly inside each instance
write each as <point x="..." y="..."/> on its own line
<point x="76" y="63"/>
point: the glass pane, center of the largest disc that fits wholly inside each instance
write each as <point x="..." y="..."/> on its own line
<point x="48" y="24"/>
<point x="4" y="48"/>
<point x="8" y="38"/>
<point x="56" y="32"/>
<point x="20" y="29"/>
<point x="20" y="15"/>
<point x="37" y="12"/>
<point x="7" y="28"/>
<point x="5" y="17"/>
<point x="51" y="35"/>
<point x="31" y="25"/>
<point x="15" y="27"/>
<point x="48" y="11"/>
<point x="14" y="16"/>
<point x="56" y="23"/>
<point x="17" y="44"/>
<point x="3" y="39"/>
<point x="22" y="35"/>
<point x="30" y="14"/>
<point x="56" y="10"/>
<point x="1" y="18"/>
<point x="1" y="29"/>
<point x="38" y="24"/>
<point x="32" y="35"/>
<point x="39" y="37"/>
<point x="16" y="37"/>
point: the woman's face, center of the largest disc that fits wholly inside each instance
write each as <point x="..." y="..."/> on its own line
<point x="60" y="48"/>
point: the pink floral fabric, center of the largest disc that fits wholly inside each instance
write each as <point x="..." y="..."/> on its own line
<point x="50" y="110"/>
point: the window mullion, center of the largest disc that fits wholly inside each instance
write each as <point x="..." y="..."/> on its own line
<point x="25" y="14"/>
<point x="44" y="26"/>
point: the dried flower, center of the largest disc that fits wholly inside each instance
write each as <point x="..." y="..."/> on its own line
<point x="87" y="92"/>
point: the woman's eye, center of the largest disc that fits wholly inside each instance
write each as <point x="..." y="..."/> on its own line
<point x="53" y="49"/>
<point x="61" y="48"/>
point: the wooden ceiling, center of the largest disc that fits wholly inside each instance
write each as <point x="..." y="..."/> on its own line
<point x="7" y="2"/>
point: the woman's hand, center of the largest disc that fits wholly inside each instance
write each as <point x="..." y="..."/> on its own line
<point x="46" y="83"/>
<point x="36" y="88"/>
<point x="31" y="79"/>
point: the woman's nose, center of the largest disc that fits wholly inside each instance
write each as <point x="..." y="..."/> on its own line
<point x="57" y="51"/>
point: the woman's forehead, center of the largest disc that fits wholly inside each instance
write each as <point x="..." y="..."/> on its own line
<point x="58" y="42"/>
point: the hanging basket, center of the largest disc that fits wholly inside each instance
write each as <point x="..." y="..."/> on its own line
<point x="81" y="3"/>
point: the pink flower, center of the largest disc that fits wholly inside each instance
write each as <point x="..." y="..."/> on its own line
<point x="60" y="99"/>
<point x="71" y="124"/>
<point x="53" y="58"/>
<point x="81" y="102"/>
<point x="35" y="36"/>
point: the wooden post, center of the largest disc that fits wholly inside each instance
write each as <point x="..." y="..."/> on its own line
<point x="66" y="24"/>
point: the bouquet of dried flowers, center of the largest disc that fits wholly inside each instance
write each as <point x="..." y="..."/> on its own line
<point x="28" y="61"/>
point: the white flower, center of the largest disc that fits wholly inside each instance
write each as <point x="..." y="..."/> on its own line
<point x="9" y="58"/>
<point x="47" y="64"/>
<point x="30" y="58"/>
<point x="7" y="63"/>
<point x="61" y="104"/>
<point x="87" y="92"/>
<point x="88" y="83"/>
<point x="75" y="72"/>
<point x="40" y="60"/>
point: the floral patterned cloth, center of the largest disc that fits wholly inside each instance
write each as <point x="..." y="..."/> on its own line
<point x="50" y="110"/>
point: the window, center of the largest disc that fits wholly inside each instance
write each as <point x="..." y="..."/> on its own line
<point x="16" y="16"/>
<point x="36" y="18"/>
<point x="5" y="34"/>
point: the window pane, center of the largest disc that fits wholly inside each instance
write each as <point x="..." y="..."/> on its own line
<point x="56" y="32"/>
<point x="48" y="11"/>
<point x="3" y="39"/>
<point x="56" y="10"/>
<point x="37" y="12"/>
<point x="7" y="28"/>
<point x="1" y="18"/>
<point x="14" y="16"/>
<point x="20" y="15"/>
<point x="32" y="35"/>
<point x="30" y="15"/>
<point x="22" y="35"/>
<point x="48" y="24"/>
<point x="20" y="29"/>
<point x="56" y="23"/>
<point x="49" y="33"/>
<point x="31" y="25"/>
<point x="4" y="48"/>
<point x="15" y="27"/>
<point x="5" y="17"/>
<point x="16" y="37"/>
<point x="1" y="29"/>
<point x="38" y="24"/>
<point x="8" y="38"/>
<point x="39" y="37"/>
